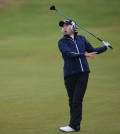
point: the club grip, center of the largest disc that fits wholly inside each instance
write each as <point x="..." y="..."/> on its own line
<point x="111" y="47"/>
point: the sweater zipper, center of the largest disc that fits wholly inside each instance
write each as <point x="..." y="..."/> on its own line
<point x="78" y="52"/>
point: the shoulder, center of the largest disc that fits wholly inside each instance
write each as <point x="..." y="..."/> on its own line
<point x="62" y="41"/>
<point x="81" y="37"/>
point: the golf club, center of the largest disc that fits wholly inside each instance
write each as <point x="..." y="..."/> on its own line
<point x="53" y="8"/>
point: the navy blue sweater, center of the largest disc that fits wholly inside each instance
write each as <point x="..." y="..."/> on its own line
<point x="73" y="53"/>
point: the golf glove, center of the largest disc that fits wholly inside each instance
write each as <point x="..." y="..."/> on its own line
<point x="106" y="44"/>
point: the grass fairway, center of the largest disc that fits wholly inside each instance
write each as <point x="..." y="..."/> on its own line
<point x="33" y="99"/>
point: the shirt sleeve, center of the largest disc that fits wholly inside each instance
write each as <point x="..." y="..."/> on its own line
<point x="65" y="50"/>
<point x="90" y="48"/>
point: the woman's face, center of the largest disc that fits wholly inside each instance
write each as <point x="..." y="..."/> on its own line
<point x="66" y="29"/>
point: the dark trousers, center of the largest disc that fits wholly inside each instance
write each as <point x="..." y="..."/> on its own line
<point x="76" y="86"/>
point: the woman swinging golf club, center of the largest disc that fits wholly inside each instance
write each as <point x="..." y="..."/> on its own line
<point x="75" y="49"/>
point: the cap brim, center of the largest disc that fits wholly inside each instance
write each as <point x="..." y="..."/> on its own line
<point x="61" y="23"/>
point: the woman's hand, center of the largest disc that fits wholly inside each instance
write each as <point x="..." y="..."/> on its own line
<point x="91" y="55"/>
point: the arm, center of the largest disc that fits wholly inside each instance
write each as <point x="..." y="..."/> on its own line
<point x="67" y="51"/>
<point x="90" y="48"/>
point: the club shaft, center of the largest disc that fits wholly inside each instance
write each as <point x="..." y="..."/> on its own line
<point x="78" y="25"/>
<point x="81" y="26"/>
<point x="62" y="14"/>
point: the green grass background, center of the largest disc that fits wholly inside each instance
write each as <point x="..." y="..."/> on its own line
<point x="33" y="98"/>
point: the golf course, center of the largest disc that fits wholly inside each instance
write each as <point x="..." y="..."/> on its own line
<point x="33" y="98"/>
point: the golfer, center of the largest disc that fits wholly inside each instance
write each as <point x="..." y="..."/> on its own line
<point x="75" y="49"/>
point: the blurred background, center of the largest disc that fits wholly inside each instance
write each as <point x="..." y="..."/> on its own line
<point x="33" y="98"/>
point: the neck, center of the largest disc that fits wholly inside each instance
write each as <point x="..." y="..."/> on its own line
<point x="72" y="34"/>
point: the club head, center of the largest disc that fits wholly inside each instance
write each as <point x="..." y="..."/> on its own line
<point x="52" y="8"/>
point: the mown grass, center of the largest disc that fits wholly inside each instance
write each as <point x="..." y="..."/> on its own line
<point x="32" y="94"/>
